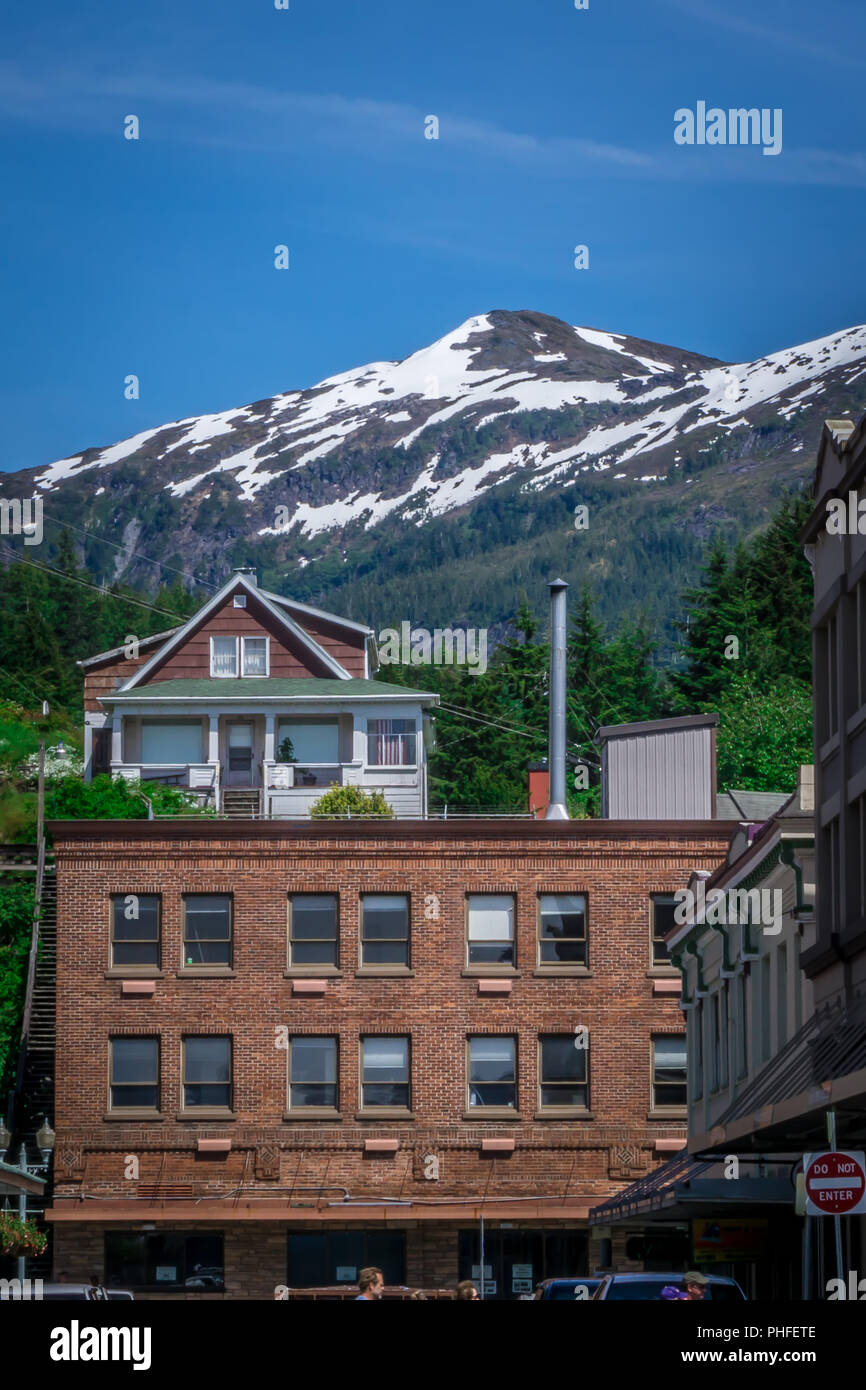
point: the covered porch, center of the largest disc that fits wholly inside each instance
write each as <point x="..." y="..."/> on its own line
<point x="269" y="763"/>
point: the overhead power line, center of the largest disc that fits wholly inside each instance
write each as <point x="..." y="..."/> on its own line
<point x="103" y="540"/>
<point x="104" y="593"/>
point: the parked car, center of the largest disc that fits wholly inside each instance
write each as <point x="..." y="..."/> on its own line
<point x="80" y="1293"/>
<point x="567" y="1290"/>
<point x="632" y="1288"/>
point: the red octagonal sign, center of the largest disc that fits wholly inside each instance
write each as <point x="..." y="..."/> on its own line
<point x="835" y="1183"/>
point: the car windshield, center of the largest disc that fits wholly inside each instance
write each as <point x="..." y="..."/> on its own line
<point x="632" y="1290"/>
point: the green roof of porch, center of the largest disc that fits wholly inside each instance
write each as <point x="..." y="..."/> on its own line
<point x="251" y="688"/>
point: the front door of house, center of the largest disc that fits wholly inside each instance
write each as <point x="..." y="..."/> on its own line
<point x="241" y="771"/>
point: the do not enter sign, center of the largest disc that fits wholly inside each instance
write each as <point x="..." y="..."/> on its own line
<point x="835" y="1183"/>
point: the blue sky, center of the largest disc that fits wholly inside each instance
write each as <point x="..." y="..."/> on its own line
<point x="306" y="127"/>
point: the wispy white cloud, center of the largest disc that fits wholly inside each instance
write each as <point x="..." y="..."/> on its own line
<point x="784" y="35"/>
<point x="244" y="116"/>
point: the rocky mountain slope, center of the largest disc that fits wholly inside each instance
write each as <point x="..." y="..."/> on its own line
<point x="443" y="487"/>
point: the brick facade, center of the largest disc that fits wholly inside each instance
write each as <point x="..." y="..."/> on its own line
<point x="563" y="1164"/>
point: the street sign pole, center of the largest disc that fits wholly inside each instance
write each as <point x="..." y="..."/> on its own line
<point x="837" y="1220"/>
<point x="807" y="1255"/>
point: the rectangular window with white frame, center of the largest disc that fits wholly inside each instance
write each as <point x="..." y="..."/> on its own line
<point x="239" y="656"/>
<point x="391" y="743"/>
<point x="255" y="656"/>
<point x="224" y="656"/>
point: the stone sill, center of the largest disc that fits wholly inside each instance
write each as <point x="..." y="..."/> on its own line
<point x="134" y="972"/>
<point x="206" y="972"/>
<point x="663" y="972"/>
<point x="312" y="1112"/>
<point x="385" y="1114"/>
<point x="131" y="1116"/>
<point x="564" y="1112"/>
<point x="300" y="972"/>
<point x="488" y="972"/>
<point x="568" y="972"/>
<point x="208" y="1115"/>
<point x="675" y="1113"/>
<point x="494" y="1113"/>
<point x="384" y="972"/>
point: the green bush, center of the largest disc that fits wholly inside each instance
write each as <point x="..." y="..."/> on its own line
<point x="351" y="801"/>
<point x="114" y="798"/>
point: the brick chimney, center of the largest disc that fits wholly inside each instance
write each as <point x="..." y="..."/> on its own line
<point x="539" y="788"/>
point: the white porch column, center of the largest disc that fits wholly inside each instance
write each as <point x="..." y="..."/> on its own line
<point x="213" y="738"/>
<point x="269" y="738"/>
<point x="116" y="736"/>
<point x="88" y="750"/>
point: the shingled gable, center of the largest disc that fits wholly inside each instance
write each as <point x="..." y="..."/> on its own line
<point x="281" y="619"/>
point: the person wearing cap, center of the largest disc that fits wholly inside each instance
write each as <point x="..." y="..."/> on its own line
<point x="695" y="1285"/>
<point x="669" y="1293"/>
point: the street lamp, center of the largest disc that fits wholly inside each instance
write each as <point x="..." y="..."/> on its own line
<point x="45" y="1141"/>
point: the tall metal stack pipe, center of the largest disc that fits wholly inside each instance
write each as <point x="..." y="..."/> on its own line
<point x="557" y="809"/>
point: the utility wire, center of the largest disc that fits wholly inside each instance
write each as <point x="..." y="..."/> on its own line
<point x="103" y="540"/>
<point x="105" y="593"/>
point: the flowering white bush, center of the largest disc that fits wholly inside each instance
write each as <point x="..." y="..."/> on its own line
<point x="69" y="763"/>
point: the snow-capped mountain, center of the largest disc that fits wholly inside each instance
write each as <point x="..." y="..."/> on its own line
<point x="510" y="410"/>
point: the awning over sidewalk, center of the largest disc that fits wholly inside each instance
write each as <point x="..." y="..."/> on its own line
<point x="651" y="1192"/>
<point x="821" y="1068"/>
<point x="683" y="1188"/>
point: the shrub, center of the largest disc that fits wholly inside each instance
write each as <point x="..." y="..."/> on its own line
<point x="114" y="798"/>
<point x="351" y="801"/>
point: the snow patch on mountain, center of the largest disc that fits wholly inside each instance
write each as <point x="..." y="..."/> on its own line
<point x="489" y="368"/>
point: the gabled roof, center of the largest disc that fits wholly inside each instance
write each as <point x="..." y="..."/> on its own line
<point x="751" y="806"/>
<point x="255" y="688"/>
<point x="232" y="585"/>
<point x="121" y="651"/>
<point x="317" y="613"/>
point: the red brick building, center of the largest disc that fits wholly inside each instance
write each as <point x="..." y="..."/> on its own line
<point x="286" y="1049"/>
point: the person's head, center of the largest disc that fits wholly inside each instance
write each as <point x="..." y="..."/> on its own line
<point x="418" y="1294"/>
<point x="95" y="1279"/>
<point x="371" y="1282"/>
<point x="696" y="1284"/>
<point x="671" y="1294"/>
<point x="466" y="1289"/>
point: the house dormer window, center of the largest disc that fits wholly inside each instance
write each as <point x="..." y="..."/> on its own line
<point x="239" y="656"/>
